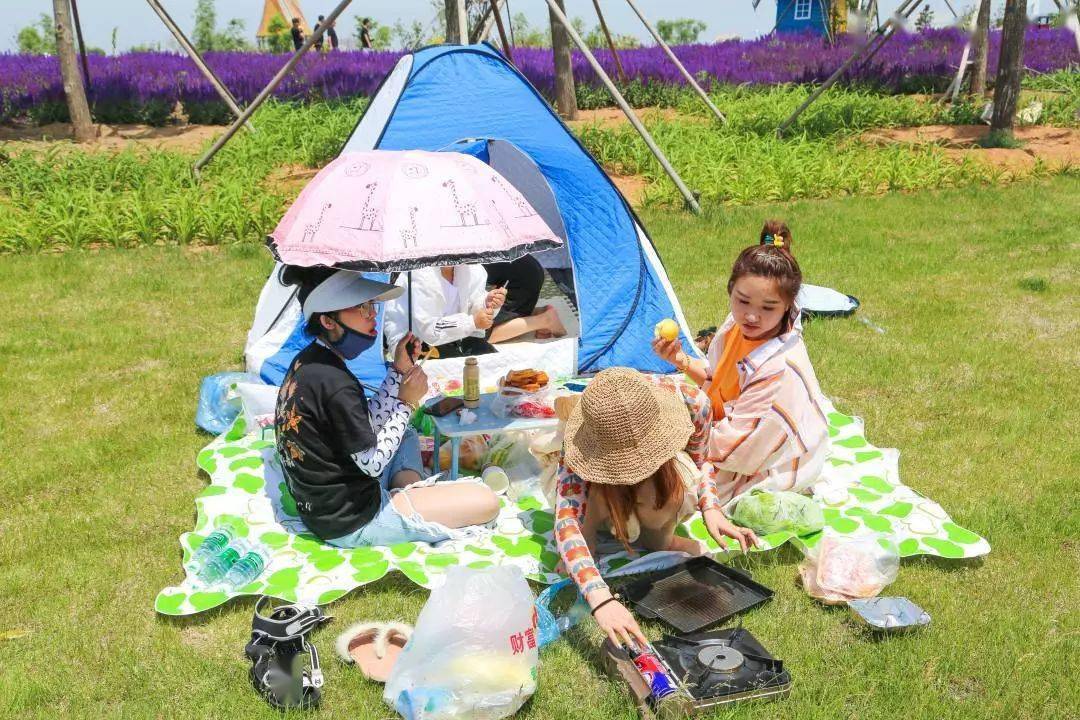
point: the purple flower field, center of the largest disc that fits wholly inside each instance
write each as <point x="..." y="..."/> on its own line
<point x="146" y="87"/>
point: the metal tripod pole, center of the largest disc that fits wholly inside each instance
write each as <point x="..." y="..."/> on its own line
<point x="880" y="37"/>
<point x="685" y="73"/>
<point x="274" y="82"/>
<point x="625" y="107"/>
<point x="196" y="58"/>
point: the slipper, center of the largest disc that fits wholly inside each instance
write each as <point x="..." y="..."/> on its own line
<point x="373" y="647"/>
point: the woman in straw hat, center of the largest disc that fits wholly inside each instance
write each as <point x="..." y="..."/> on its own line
<point x="625" y="470"/>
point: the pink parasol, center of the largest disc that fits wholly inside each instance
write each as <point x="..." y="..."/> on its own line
<point x="398" y="210"/>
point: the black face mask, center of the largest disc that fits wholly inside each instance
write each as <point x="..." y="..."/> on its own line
<point x="353" y="342"/>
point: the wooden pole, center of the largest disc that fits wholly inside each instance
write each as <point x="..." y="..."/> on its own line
<point x="74" y="92"/>
<point x="557" y="15"/>
<point x="610" y="42"/>
<point x="274" y="82"/>
<point x="457" y="22"/>
<point x="507" y="47"/>
<point x="879" y="38"/>
<point x="82" y="45"/>
<point x="565" y="95"/>
<point x="682" y="69"/>
<point x="196" y="57"/>
<point x="482" y="29"/>
<point x="1010" y="66"/>
<point x="980" y="49"/>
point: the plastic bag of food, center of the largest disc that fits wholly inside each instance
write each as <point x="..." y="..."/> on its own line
<point x="474" y="448"/>
<point x="510" y="451"/>
<point x="767" y="512"/>
<point x="474" y="652"/>
<point x="839" y="569"/>
<point x="514" y="402"/>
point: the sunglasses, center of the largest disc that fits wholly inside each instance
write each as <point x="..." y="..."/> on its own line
<point x="368" y="310"/>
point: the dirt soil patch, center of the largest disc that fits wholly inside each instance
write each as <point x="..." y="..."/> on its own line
<point x="182" y="138"/>
<point x="613" y="116"/>
<point x="1057" y="147"/>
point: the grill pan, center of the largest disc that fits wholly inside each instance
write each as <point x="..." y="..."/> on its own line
<point x="694" y="595"/>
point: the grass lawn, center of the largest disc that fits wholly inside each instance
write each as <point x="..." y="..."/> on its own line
<point x="974" y="379"/>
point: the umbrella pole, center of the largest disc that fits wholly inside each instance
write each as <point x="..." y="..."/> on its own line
<point x="410" y="301"/>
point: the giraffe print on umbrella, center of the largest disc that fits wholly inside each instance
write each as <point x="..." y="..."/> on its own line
<point x="524" y="208"/>
<point x="409" y="234"/>
<point x="369" y="215"/>
<point x="500" y="220"/>
<point x="312" y="229"/>
<point x="464" y="209"/>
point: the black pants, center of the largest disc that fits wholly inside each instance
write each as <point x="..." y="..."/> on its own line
<point x="466" y="347"/>
<point x="523" y="278"/>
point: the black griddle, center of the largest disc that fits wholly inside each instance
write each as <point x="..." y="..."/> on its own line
<point x="694" y="595"/>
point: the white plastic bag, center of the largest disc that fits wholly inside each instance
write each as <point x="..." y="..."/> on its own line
<point x="515" y="402"/>
<point x="473" y="653"/>
<point x="839" y="569"/>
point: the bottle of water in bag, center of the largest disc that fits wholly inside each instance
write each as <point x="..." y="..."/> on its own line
<point x="245" y="570"/>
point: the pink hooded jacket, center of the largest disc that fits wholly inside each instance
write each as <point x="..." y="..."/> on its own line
<point x="775" y="434"/>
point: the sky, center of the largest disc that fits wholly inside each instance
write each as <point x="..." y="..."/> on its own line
<point x="137" y="24"/>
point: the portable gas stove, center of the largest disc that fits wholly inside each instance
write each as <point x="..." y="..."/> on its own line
<point x="723" y="666"/>
<point x="709" y="669"/>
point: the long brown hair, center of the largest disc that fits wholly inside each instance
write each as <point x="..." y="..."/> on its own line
<point x="621" y="499"/>
<point x="771" y="258"/>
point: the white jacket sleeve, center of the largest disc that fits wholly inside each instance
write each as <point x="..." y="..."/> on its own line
<point x="428" y="321"/>
<point x="475" y="287"/>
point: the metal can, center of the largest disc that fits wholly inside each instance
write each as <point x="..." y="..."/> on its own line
<point x="470" y="383"/>
<point x="650" y="667"/>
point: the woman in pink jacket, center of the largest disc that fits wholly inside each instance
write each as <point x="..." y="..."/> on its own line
<point x="760" y="399"/>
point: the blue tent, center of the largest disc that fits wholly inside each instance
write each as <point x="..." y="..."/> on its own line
<point x="440" y="96"/>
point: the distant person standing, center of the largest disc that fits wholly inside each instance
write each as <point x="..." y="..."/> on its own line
<point x="318" y="38"/>
<point x="365" y="34"/>
<point x="331" y="33"/>
<point x="297" y="34"/>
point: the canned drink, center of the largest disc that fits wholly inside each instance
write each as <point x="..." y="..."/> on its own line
<point x="650" y="667"/>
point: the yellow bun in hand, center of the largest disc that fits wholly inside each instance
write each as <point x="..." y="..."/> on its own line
<point x="667" y="329"/>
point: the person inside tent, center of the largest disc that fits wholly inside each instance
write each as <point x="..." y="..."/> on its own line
<point x="628" y="468"/>
<point x="453" y="311"/>
<point x="523" y="279"/>
<point x="353" y="463"/>
<point x="761" y="403"/>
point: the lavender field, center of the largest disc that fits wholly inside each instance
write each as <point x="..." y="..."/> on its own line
<point x="147" y="87"/>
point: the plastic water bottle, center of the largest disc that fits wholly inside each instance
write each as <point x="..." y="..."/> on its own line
<point x="214" y="543"/>
<point x="245" y="570"/>
<point x="215" y="570"/>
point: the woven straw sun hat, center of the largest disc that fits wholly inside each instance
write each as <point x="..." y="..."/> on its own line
<point x="624" y="428"/>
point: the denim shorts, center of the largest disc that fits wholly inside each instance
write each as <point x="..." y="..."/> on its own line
<point x="389" y="526"/>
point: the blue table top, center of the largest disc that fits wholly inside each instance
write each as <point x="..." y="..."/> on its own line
<point x="487" y="422"/>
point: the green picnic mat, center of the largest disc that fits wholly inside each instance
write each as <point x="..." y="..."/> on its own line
<point x="247" y="491"/>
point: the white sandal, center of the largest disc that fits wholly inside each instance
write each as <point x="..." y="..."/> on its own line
<point x="373" y="647"/>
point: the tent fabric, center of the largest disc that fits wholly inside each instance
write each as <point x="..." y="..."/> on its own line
<point x="444" y="94"/>
<point x="825" y="302"/>
<point x="456" y="92"/>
